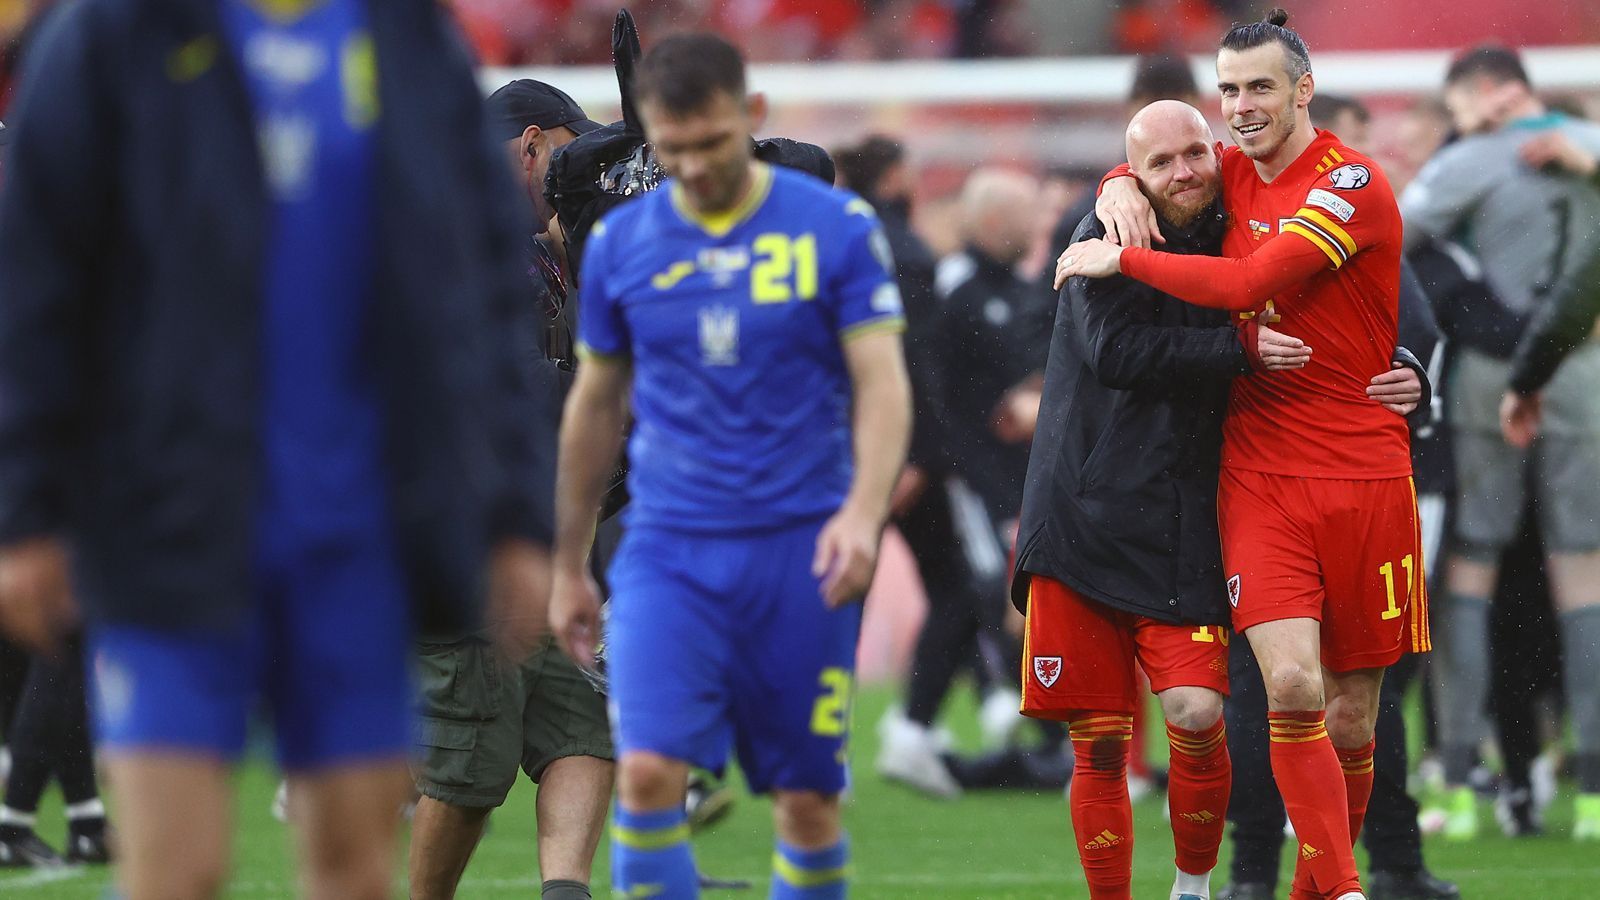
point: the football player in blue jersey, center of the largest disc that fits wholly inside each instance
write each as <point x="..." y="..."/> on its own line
<point x="751" y="312"/>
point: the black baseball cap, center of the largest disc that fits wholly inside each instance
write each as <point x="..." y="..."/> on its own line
<point x="524" y="102"/>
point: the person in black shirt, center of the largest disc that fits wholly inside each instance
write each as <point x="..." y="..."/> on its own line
<point x="877" y="169"/>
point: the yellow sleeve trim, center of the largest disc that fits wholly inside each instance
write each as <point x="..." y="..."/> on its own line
<point x="887" y="324"/>
<point x="1329" y="226"/>
<point x="1317" y="240"/>
<point x="587" y="352"/>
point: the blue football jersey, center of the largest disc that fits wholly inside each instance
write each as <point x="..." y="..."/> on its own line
<point x="734" y="326"/>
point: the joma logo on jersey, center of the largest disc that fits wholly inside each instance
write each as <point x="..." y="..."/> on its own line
<point x="719" y="336"/>
<point x="678" y="271"/>
<point x="1259" y="230"/>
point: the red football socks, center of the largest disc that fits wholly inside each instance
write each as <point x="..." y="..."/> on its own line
<point x="1200" y="776"/>
<point x="1102" y="816"/>
<point x="1357" y="765"/>
<point x="1311" y="781"/>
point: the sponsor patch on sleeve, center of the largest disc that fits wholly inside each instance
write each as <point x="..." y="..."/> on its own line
<point x="1331" y="202"/>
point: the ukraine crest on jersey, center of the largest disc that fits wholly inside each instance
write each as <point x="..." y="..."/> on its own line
<point x="734" y="326"/>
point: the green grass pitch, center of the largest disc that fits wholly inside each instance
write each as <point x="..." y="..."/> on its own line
<point x="999" y="845"/>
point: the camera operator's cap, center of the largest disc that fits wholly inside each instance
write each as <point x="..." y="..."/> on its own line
<point x="524" y="102"/>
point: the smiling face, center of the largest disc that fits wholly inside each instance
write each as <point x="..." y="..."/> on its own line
<point x="1261" y="102"/>
<point x="1173" y="154"/>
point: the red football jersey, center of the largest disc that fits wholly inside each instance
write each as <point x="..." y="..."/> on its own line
<point x="1315" y="254"/>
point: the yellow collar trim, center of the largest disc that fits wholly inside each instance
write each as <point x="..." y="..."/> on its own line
<point x="284" y="11"/>
<point x="719" y="224"/>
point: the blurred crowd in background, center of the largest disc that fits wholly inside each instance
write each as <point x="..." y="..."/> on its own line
<point x="577" y="32"/>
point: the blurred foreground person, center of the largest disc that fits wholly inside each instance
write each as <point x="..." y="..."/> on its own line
<point x="750" y="313"/>
<point x="265" y="409"/>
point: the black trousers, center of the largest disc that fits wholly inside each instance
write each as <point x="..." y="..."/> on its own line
<point x="958" y="609"/>
<point x="49" y="733"/>
<point x="13" y="672"/>
<point x="1256" y="810"/>
<point x="1524" y="651"/>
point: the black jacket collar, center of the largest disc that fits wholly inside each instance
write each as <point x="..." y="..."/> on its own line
<point x="1204" y="232"/>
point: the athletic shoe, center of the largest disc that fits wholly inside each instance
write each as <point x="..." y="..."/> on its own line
<point x="1542" y="780"/>
<point x="21" y="848"/>
<point x="89" y="842"/>
<point x="1418" y="885"/>
<point x="708" y="801"/>
<point x="1246" y="891"/>
<point x="1517" y="814"/>
<point x="280" y="802"/>
<point x="1586" y="818"/>
<point x="999" y="716"/>
<point x="1139" y="787"/>
<point x="1461" y="822"/>
<point x="909" y="753"/>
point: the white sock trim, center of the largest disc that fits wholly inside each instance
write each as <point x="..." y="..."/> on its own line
<point x="1189" y="883"/>
<point x="9" y="816"/>
<point x="88" y="809"/>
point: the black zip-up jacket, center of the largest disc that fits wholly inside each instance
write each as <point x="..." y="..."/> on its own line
<point x="132" y="232"/>
<point x="993" y="333"/>
<point x="1121" y="497"/>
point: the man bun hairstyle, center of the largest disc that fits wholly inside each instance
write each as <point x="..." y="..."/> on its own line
<point x="1496" y="62"/>
<point x="683" y="72"/>
<point x="1274" y="28"/>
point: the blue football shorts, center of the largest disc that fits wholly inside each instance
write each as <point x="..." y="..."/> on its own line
<point x="719" y="642"/>
<point x="326" y="653"/>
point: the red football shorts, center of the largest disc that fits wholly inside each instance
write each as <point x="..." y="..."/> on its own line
<point x="1346" y="553"/>
<point x="1079" y="655"/>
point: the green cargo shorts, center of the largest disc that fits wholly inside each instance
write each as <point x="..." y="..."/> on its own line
<point x="482" y="719"/>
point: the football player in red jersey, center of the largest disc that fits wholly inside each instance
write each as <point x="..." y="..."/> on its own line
<point x="1317" y="510"/>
